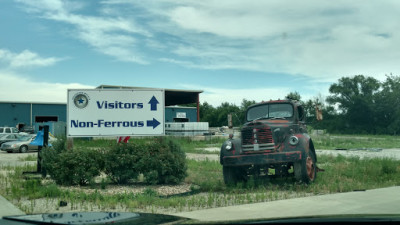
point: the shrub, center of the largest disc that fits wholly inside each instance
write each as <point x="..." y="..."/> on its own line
<point x="71" y="167"/>
<point x="389" y="166"/>
<point x="121" y="162"/>
<point x="160" y="161"/>
<point x="163" y="162"/>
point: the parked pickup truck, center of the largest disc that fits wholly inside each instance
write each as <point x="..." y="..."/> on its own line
<point x="274" y="142"/>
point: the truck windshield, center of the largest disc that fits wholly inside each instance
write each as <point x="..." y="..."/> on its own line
<point x="270" y="111"/>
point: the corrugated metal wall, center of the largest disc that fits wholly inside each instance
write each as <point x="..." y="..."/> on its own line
<point x="12" y="114"/>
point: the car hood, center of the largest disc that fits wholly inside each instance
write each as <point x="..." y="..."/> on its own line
<point x="96" y="218"/>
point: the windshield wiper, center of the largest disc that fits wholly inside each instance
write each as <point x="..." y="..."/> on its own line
<point x="260" y="118"/>
<point x="271" y="118"/>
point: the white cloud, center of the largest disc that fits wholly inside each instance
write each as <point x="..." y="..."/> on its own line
<point x="18" y="88"/>
<point x="25" y="59"/>
<point x="216" y="96"/>
<point x="323" y="40"/>
<point x="112" y="36"/>
<point x="319" y="39"/>
<point x="48" y="5"/>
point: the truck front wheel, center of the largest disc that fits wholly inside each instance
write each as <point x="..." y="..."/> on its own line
<point x="233" y="175"/>
<point x="306" y="170"/>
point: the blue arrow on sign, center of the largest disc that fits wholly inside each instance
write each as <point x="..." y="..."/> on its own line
<point x="153" y="103"/>
<point x="153" y="123"/>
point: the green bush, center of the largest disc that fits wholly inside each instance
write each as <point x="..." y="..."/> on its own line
<point x="160" y="160"/>
<point x="121" y="162"/>
<point x="163" y="162"/>
<point x="71" y="167"/>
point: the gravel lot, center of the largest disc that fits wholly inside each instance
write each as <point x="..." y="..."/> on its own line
<point x="15" y="159"/>
<point x="364" y="153"/>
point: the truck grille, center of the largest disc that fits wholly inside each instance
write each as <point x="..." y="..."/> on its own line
<point x="257" y="138"/>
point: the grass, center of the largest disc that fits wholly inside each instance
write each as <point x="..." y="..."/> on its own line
<point x="325" y="141"/>
<point x="355" y="142"/>
<point x="341" y="174"/>
<point x="28" y="158"/>
<point x="193" y="146"/>
<point x="186" y="143"/>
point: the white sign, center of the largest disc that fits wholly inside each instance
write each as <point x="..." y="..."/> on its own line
<point x="180" y="115"/>
<point x="115" y="112"/>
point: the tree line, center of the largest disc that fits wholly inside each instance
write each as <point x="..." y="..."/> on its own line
<point x="358" y="104"/>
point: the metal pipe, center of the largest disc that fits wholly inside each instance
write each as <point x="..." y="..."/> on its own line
<point x="31" y="115"/>
<point x="198" y="107"/>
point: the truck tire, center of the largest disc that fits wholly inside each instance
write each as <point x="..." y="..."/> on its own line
<point x="233" y="175"/>
<point x="306" y="170"/>
<point x="23" y="149"/>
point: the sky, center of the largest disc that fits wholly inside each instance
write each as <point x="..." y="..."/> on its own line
<point x="231" y="49"/>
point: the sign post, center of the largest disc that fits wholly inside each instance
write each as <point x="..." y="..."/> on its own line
<point x="115" y="112"/>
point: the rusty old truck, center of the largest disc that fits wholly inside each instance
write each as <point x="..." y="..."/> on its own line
<point x="274" y="143"/>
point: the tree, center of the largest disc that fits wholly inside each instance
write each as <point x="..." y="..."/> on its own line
<point x="388" y="106"/>
<point x="207" y="112"/>
<point x="355" y="97"/>
<point x="217" y="117"/>
<point x="246" y="103"/>
<point x="222" y="112"/>
<point x="293" y="96"/>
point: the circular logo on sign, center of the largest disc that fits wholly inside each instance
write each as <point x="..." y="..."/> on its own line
<point x="81" y="100"/>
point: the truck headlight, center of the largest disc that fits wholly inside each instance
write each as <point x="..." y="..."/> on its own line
<point x="229" y="145"/>
<point x="293" y="140"/>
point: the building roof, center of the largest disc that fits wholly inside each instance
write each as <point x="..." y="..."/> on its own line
<point x="36" y="103"/>
<point x="172" y="96"/>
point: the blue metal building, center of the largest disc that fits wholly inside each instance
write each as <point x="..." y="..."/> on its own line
<point x="29" y="113"/>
